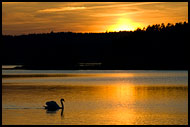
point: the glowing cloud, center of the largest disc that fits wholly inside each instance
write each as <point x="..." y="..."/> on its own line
<point x="62" y="9"/>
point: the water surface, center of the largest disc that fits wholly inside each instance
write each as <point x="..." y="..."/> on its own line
<point x="95" y="97"/>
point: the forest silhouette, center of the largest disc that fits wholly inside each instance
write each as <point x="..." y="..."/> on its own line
<point x="157" y="46"/>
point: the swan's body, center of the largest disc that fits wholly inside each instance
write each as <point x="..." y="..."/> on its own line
<point x="52" y="105"/>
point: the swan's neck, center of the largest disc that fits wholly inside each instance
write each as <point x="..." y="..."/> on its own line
<point x="62" y="107"/>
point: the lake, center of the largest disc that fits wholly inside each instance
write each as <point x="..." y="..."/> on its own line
<point x="100" y="97"/>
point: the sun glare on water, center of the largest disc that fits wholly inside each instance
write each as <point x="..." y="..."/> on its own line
<point x="124" y="24"/>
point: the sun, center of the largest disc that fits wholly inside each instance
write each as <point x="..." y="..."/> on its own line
<point x="124" y="24"/>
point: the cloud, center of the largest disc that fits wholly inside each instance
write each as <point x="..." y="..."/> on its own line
<point x="112" y="5"/>
<point x="5" y="3"/>
<point x="62" y="9"/>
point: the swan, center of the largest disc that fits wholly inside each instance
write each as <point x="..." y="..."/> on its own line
<point x="52" y="105"/>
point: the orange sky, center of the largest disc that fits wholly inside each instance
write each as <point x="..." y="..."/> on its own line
<point x="42" y="17"/>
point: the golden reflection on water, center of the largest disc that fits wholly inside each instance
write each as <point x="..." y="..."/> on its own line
<point x="120" y="75"/>
<point x="93" y="102"/>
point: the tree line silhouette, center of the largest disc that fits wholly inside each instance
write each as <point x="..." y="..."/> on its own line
<point x="155" y="47"/>
<point x="178" y="27"/>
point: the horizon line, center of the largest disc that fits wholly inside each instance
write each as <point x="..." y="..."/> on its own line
<point x="25" y="34"/>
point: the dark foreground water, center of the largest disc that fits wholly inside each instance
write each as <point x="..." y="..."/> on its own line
<point x="95" y="97"/>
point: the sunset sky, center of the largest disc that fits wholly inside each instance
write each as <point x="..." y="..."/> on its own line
<point x="42" y="17"/>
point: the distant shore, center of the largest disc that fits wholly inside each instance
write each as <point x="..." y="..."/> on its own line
<point x="156" y="47"/>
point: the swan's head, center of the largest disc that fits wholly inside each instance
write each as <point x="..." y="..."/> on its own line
<point x="62" y="99"/>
